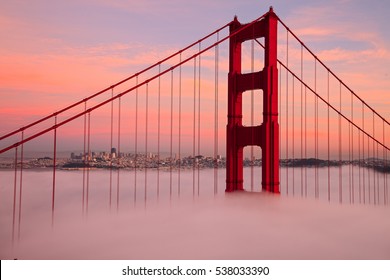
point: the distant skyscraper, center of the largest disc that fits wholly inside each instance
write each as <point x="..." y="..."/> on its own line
<point x="113" y="152"/>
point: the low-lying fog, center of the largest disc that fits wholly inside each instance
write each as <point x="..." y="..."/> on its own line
<point x="140" y="225"/>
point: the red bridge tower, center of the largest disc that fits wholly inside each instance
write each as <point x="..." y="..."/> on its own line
<point x="267" y="134"/>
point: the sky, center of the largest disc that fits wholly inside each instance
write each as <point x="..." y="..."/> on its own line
<point x="54" y="53"/>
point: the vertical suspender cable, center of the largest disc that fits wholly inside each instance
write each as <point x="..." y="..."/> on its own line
<point x="21" y="184"/>
<point x="315" y="129"/>
<point x="328" y="89"/>
<point x="386" y="175"/>
<point x="111" y="142"/>
<point x="315" y="147"/>
<point x="14" y="203"/>
<point x="377" y="173"/>
<point x="352" y="200"/>
<point x="136" y="142"/>
<point x="158" y="131"/>
<point x="287" y="169"/>
<point x="293" y="134"/>
<point x="377" y="161"/>
<point x="171" y="140"/>
<point x="375" y="157"/>
<point x="252" y="103"/>
<point x="373" y="153"/>
<point x="364" y="179"/>
<point x="386" y="192"/>
<point x="54" y="168"/>
<point x="302" y="118"/>
<point x="360" y="168"/>
<point x="194" y="133"/>
<point x="88" y="157"/>
<point x="84" y="155"/>
<point x="179" y="144"/>
<point x="317" y="141"/>
<point x="119" y="153"/>
<point x="146" y="141"/>
<point x="384" y="163"/>
<point x="216" y="118"/>
<point x="369" y="170"/>
<point x="349" y="158"/>
<point x="199" y="80"/>
<point x="305" y="140"/>
<point x="340" y="152"/>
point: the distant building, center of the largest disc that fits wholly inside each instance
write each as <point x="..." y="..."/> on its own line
<point x="113" y="152"/>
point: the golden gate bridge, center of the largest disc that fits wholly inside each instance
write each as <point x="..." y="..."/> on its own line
<point x="168" y="115"/>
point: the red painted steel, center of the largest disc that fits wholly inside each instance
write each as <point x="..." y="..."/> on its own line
<point x="267" y="134"/>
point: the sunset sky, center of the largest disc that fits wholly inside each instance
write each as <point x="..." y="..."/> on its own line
<point x="54" y="53"/>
